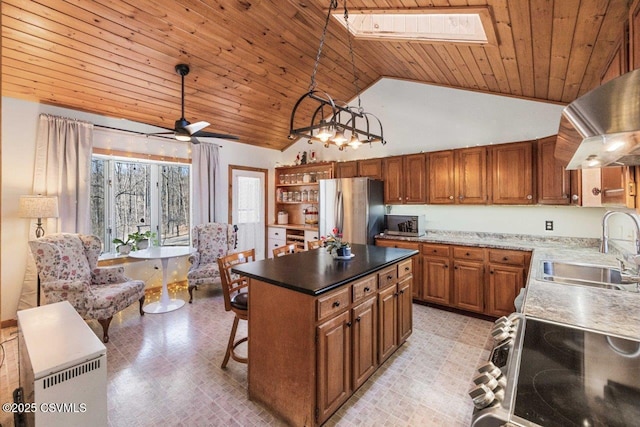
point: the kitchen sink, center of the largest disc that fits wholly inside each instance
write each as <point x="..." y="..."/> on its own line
<point x="585" y="275"/>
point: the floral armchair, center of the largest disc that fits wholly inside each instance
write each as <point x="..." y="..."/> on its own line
<point x="67" y="267"/>
<point x="211" y="241"/>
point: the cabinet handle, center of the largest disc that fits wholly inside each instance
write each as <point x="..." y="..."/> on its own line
<point x="395" y="295"/>
<point x="348" y="324"/>
<point x="460" y="197"/>
<point x="455" y="267"/>
<point x="595" y="191"/>
<point x="367" y="289"/>
<point x="389" y="277"/>
<point x="575" y="197"/>
<point x="446" y="266"/>
<point x="529" y="197"/>
<point x="505" y="258"/>
<point x="468" y="254"/>
<point x="358" y="319"/>
<point x="491" y="272"/>
<point x="450" y="197"/>
<point x="402" y="292"/>
<point x="406" y="269"/>
<point x="336" y="304"/>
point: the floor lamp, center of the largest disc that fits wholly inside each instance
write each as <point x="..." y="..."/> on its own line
<point x="38" y="207"/>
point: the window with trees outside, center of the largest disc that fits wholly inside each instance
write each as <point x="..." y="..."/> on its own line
<point x="138" y="196"/>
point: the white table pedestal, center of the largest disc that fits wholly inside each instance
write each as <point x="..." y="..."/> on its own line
<point x="163" y="253"/>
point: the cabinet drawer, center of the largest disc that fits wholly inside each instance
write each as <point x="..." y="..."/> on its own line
<point x="277" y="233"/>
<point x="333" y="303"/>
<point x="435" y="250"/>
<point x="507" y="257"/>
<point x="364" y="288"/>
<point x="397" y="244"/>
<point x="405" y="268"/>
<point x="465" y="252"/>
<point x="388" y="276"/>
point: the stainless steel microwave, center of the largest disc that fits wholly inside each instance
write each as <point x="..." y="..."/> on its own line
<point x="405" y="225"/>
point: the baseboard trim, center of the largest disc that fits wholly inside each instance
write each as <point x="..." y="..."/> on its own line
<point x="9" y="323"/>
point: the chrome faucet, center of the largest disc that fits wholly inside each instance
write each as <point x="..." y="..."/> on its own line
<point x="604" y="246"/>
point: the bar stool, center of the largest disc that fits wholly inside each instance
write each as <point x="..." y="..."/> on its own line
<point x="289" y="249"/>
<point x="234" y="299"/>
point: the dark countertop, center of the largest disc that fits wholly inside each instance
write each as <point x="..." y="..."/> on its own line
<point x="315" y="272"/>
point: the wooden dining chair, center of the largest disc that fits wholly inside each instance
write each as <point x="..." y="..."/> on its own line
<point x="235" y="298"/>
<point x="314" y="244"/>
<point x="291" y="248"/>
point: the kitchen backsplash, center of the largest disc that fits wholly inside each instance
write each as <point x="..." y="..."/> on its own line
<point x="568" y="221"/>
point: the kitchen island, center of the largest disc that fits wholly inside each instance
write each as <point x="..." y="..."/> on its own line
<point x="319" y="327"/>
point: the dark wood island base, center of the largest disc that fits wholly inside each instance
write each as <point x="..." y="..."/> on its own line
<point x="319" y="328"/>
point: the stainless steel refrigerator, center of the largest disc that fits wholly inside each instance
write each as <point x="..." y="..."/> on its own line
<point x="355" y="206"/>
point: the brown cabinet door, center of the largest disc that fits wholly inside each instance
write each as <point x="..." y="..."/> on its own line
<point x="468" y="285"/>
<point x="416" y="285"/>
<point x="615" y="187"/>
<point x="634" y="35"/>
<point x="365" y="341"/>
<point x="334" y="364"/>
<point x="441" y="177"/>
<point x="471" y="175"/>
<point x="415" y="178"/>
<point x="371" y="168"/>
<point x="405" y="309"/>
<point x="436" y="280"/>
<point x="392" y="168"/>
<point x="505" y="283"/>
<point x="554" y="180"/>
<point x="347" y="169"/>
<point x="512" y="180"/>
<point x="388" y="322"/>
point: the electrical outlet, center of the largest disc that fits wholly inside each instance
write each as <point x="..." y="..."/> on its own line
<point x="548" y="225"/>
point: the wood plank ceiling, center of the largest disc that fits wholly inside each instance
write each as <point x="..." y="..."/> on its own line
<point x="251" y="60"/>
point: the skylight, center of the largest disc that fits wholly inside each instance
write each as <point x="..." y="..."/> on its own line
<point x="459" y="25"/>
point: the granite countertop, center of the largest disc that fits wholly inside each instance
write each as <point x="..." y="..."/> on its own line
<point x="604" y="310"/>
<point x="315" y="272"/>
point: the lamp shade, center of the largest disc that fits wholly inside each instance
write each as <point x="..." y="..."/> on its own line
<point x="38" y="207"/>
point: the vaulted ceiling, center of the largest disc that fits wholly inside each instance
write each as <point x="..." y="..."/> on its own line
<point x="251" y="60"/>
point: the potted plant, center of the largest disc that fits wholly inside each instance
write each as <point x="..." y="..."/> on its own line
<point x="124" y="246"/>
<point x="335" y="245"/>
<point x="134" y="242"/>
<point x="141" y="240"/>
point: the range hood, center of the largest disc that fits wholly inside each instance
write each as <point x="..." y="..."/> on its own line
<point x="602" y="127"/>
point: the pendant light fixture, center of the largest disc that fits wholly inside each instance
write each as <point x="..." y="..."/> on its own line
<point x="335" y="122"/>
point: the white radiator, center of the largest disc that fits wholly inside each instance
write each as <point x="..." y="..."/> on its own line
<point x="63" y="368"/>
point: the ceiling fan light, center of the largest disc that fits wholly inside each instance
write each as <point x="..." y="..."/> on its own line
<point x="183" y="137"/>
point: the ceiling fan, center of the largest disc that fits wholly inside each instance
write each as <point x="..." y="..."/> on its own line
<point x="185" y="131"/>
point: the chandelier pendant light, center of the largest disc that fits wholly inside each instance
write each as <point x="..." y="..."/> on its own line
<point x="335" y="122"/>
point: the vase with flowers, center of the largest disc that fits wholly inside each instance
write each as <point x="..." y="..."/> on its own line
<point x="337" y="247"/>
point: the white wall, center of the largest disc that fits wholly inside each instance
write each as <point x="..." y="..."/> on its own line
<point x="19" y="126"/>
<point x="420" y="117"/>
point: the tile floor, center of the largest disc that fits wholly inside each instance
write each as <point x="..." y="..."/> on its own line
<point x="164" y="369"/>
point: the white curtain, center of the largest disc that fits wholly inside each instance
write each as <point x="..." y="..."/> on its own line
<point x="62" y="168"/>
<point x="204" y="170"/>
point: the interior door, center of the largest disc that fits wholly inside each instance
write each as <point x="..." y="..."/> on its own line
<point x="248" y="208"/>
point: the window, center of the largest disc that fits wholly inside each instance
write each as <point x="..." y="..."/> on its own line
<point x="129" y="196"/>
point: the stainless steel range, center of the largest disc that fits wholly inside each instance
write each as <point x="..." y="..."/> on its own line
<point x="546" y="374"/>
